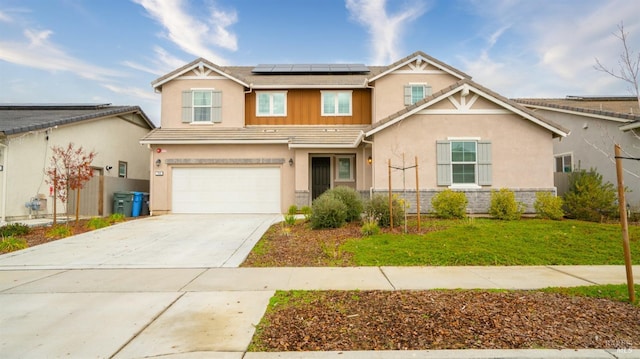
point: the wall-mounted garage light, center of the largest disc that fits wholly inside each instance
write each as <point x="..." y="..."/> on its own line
<point x="108" y="168"/>
<point x="291" y="162"/>
<point x="369" y="160"/>
<point x="158" y="162"/>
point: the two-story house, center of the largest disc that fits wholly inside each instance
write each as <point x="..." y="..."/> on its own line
<point x="258" y="139"/>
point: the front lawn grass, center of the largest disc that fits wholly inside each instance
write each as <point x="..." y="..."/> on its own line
<point x="486" y="242"/>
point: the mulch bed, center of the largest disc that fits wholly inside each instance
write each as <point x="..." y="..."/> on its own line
<point x="421" y="320"/>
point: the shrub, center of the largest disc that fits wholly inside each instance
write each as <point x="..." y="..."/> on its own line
<point x="10" y="244"/>
<point x="306" y="211"/>
<point x="59" y="231"/>
<point x="370" y="227"/>
<point x="378" y="207"/>
<point x="97" y="223"/>
<point x="449" y="204"/>
<point x="548" y="206"/>
<point x="290" y="219"/>
<point x="293" y="209"/>
<point x="14" y="230"/>
<point x="588" y="198"/>
<point x="328" y="211"/>
<point x="116" y="217"/>
<point x="504" y="205"/>
<point x="351" y="198"/>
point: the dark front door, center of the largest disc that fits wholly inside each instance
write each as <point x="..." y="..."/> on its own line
<point x="320" y="175"/>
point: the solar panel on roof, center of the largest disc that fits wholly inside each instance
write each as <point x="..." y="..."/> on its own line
<point x="309" y="68"/>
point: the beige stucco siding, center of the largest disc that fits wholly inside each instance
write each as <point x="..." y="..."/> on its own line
<point x="30" y="154"/>
<point x="232" y="102"/>
<point x="389" y="90"/>
<point x="219" y="156"/>
<point x="521" y="151"/>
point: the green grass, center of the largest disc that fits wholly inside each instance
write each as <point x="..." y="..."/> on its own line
<point x="10" y="244"/>
<point x="493" y="242"/>
<point x="616" y="292"/>
<point x="97" y="223"/>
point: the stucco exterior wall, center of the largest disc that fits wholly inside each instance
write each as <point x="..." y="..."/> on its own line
<point x="232" y="154"/>
<point x="232" y="102"/>
<point x="591" y="143"/>
<point x="521" y="151"/>
<point x="30" y="154"/>
<point x="388" y="94"/>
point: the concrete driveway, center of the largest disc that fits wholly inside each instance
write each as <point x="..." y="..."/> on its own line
<point x="169" y="241"/>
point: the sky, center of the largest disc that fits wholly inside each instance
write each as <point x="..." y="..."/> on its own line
<point x="109" y="51"/>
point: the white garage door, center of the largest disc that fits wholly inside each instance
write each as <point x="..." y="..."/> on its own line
<point x="226" y="190"/>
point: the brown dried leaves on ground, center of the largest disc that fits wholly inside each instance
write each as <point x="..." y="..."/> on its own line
<point x="419" y="320"/>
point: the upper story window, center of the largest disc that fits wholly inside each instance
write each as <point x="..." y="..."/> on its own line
<point x="336" y="103"/>
<point x="271" y="103"/>
<point x="201" y="106"/>
<point x="415" y="92"/>
<point x="564" y="163"/>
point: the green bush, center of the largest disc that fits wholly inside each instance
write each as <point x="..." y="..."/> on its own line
<point x="306" y="212"/>
<point x="116" y="217"/>
<point x="504" y="205"/>
<point x="293" y="210"/>
<point x="328" y="211"/>
<point x="351" y="198"/>
<point x="548" y="206"/>
<point x="588" y="198"/>
<point x="59" y="231"/>
<point x="378" y="207"/>
<point x="370" y="227"/>
<point x="290" y="219"/>
<point x="14" y="230"/>
<point x="10" y="244"/>
<point x="97" y="223"/>
<point x="449" y="204"/>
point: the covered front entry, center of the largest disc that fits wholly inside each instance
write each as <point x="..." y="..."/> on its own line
<point x="320" y="175"/>
<point x="226" y="190"/>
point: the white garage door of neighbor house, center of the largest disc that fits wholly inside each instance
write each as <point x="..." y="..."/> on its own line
<point x="226" y="190"/>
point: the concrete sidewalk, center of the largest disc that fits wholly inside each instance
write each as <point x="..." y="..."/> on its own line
<point x="211" y="312"/>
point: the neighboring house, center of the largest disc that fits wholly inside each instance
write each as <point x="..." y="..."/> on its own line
<point x="596" y="125"/>
<point x="28" y="132"/>
<point x="262" y="138"/>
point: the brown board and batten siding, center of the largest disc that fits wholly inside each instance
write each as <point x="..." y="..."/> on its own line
<point x="303" y="108"/>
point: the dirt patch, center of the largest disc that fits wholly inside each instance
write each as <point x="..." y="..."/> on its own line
<point x="421" y="320"/>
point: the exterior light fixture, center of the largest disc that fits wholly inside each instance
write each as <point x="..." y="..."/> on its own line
<point x="291" y="162"/>
<point x="158" y="162"/>
<point x="369" y="160"/>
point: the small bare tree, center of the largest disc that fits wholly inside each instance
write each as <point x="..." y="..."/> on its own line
<point x="70" y="170"/>
<point x="628" y="64"/>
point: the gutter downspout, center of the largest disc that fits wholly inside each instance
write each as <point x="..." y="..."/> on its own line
<point x="3" y="204"/>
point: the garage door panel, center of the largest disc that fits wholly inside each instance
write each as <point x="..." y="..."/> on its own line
<point x="226" y="190"/>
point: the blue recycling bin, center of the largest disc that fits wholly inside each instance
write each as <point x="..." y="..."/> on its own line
<point x="136" y="208"/>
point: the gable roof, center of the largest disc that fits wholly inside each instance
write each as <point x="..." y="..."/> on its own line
<point x="245" y="75"/>
<point x="467" y="85"/>
<point x="19" y="118"/>
<point x="418" y="56"/>
<point x="204" y="67"/>
<point x="613" y="108"/>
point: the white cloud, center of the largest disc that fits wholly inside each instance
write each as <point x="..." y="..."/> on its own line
<point x="385" y="29"/>
<point x="39" y="52"/>
<point x="191" y="34"/>
<point x="4" y="17"/>
<point x="136" y="92"/>
<point x="161" y="63"/>
<point x="551" y="49"/>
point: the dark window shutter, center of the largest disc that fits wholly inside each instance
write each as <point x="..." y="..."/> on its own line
<point x="484" y="163"/>
<point x="443" y="163"/>
<point x="187" y="107"/>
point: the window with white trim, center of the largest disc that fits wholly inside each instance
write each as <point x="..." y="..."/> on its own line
<point x="271" y="103"/>
<point x="463" y="162"/>
<point x="122" y="169"/>
<point x="336" y="103"/>
<point x="415" y="92"/>
<point x="201" y="106"/>
<point x="344" y="169"/>
<point x="564" y="163"/>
